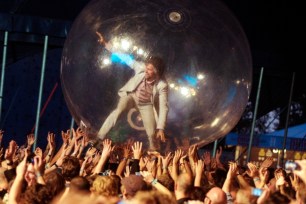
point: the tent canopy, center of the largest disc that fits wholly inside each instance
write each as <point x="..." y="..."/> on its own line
<point x="296" y="139"/>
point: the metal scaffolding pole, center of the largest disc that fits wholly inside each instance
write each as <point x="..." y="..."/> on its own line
<point x="40" y="90"/>
<point x="3" y="70"/>
<point x="287" y="121"/>
<point x="215" y="148"/>
<point x="255" y="114"/>
<point x="71" y="126"/>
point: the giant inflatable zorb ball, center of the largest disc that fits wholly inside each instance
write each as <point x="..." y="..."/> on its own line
<point x="208" y="66"/>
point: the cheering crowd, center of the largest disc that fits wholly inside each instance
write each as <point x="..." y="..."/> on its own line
<point x="77" y="172"/>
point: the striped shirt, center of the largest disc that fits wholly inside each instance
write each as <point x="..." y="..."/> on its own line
<point x="144" y="92"/>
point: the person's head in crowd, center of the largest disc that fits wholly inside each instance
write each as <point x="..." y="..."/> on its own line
<point x="183" y="185"/>
<point x="167" y="181"/>
<point x="270" y="172"/>
<point x="277" y="198"/>
<point x="104" y="186"/>
<point x="280" y="172"/>
<point x="301" y="194"/>
<point x="117" y="181"/>
<point x="77" y="198"/>
<point x="131" y="185"/>
<point x="210" y="175"/>
<point x="91" y="178"/>
<point x="152" y="197"/>
<point x="289" y="192"/>
<point x="70" y="168"/>
<point x="215" y="196"/>
<point x="37" y="194"/>
<point x="10" y="174"/>
<point x="55" y="181"/>
<point x="79" y="183"/>
<point x="197" y="193"/>
<point x="220" y="176"/>
<point x="30" y="176"/>
<point x="3" y="182"/>
<point x="245" y="197"/>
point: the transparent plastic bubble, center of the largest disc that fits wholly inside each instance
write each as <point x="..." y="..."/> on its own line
<point x="208" y="67"/>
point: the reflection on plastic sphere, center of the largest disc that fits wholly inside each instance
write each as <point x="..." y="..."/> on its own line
<point x="209" y="68"/>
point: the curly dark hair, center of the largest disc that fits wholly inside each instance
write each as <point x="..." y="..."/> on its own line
<point x="70" y="167"/>
<point x="158" y="63"/>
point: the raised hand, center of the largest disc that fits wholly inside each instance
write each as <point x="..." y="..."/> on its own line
<point x="79" y="133"/>
<point x="192" y="151"/>
<point x="166" y="160"/>
<point x="30" y="140"/>
<point x="90" y="152"/>
<point x="207" y="158"/>
<point x="213" y="163"/>
<point x="294" y="181"/>
<point x="65" y="137"/>
<point x="199" y="167"/>
<point x="137" y="150"/>
<point x="143" y="162"/>
<point x="161" y="135"/>
<point x="77" y="146"/>
<point x="22" y="167"/>
<point x="38" y="165"/>
<point x="51" y="140"/>
<point x="183" y="157"/>
<point x="263" y="175"/>
<point x="1" y="152"/>
<point x="10" y="151"/>
<point x="107" y="148"/>
<point x="101" y="38"/>
<point x="218" y="154"/>
<point x="126" y="151"/>
<point x="127" y="171"/>
<point x="280" y="180"/>
<point x="1" y="136"/>
<point x="151" y="165"/>
<point x="267" y="162"/>
<point x="177" y="155"/>
<point x="102" y="41"/>
<point x="252" y="170"/>
<point x="233" y="169"/>
<point x="147" y="176"/>
<point x="38" y="152"/>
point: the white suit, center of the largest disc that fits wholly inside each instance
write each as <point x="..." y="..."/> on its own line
<point x="154" y="115"/>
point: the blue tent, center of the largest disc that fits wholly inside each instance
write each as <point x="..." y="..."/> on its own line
<point x="296" y="139"/>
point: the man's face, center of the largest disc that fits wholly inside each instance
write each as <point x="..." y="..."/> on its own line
<point x="150" y="72"/>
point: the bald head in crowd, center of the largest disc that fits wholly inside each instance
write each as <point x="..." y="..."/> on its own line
<point x="182" y="187"/>
<point x="215" y="196"/>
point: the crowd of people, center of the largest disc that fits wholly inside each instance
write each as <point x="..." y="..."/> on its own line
<point x="77" y="172"/>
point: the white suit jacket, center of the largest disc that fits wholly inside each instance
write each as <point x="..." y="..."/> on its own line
<point x="159" y="96"/>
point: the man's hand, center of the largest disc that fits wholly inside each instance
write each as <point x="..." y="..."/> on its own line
<point x="1" y="136"/>
<point x="161" y="135"/>
<point x="30" y="140"/>
<point x="102" y="41"/>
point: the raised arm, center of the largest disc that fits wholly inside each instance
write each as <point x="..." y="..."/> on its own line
<point x="128" y="59"/>
<point x="126" y="153"/>
<point x="16" y="188"/>
<point x="137" y="152"/>
<point x="199" y="168"/>
<point x="107" y="149"/>
<point x="301" y="172"/>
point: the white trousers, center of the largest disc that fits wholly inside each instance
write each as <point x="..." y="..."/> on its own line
<point x="126" y="103"/>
